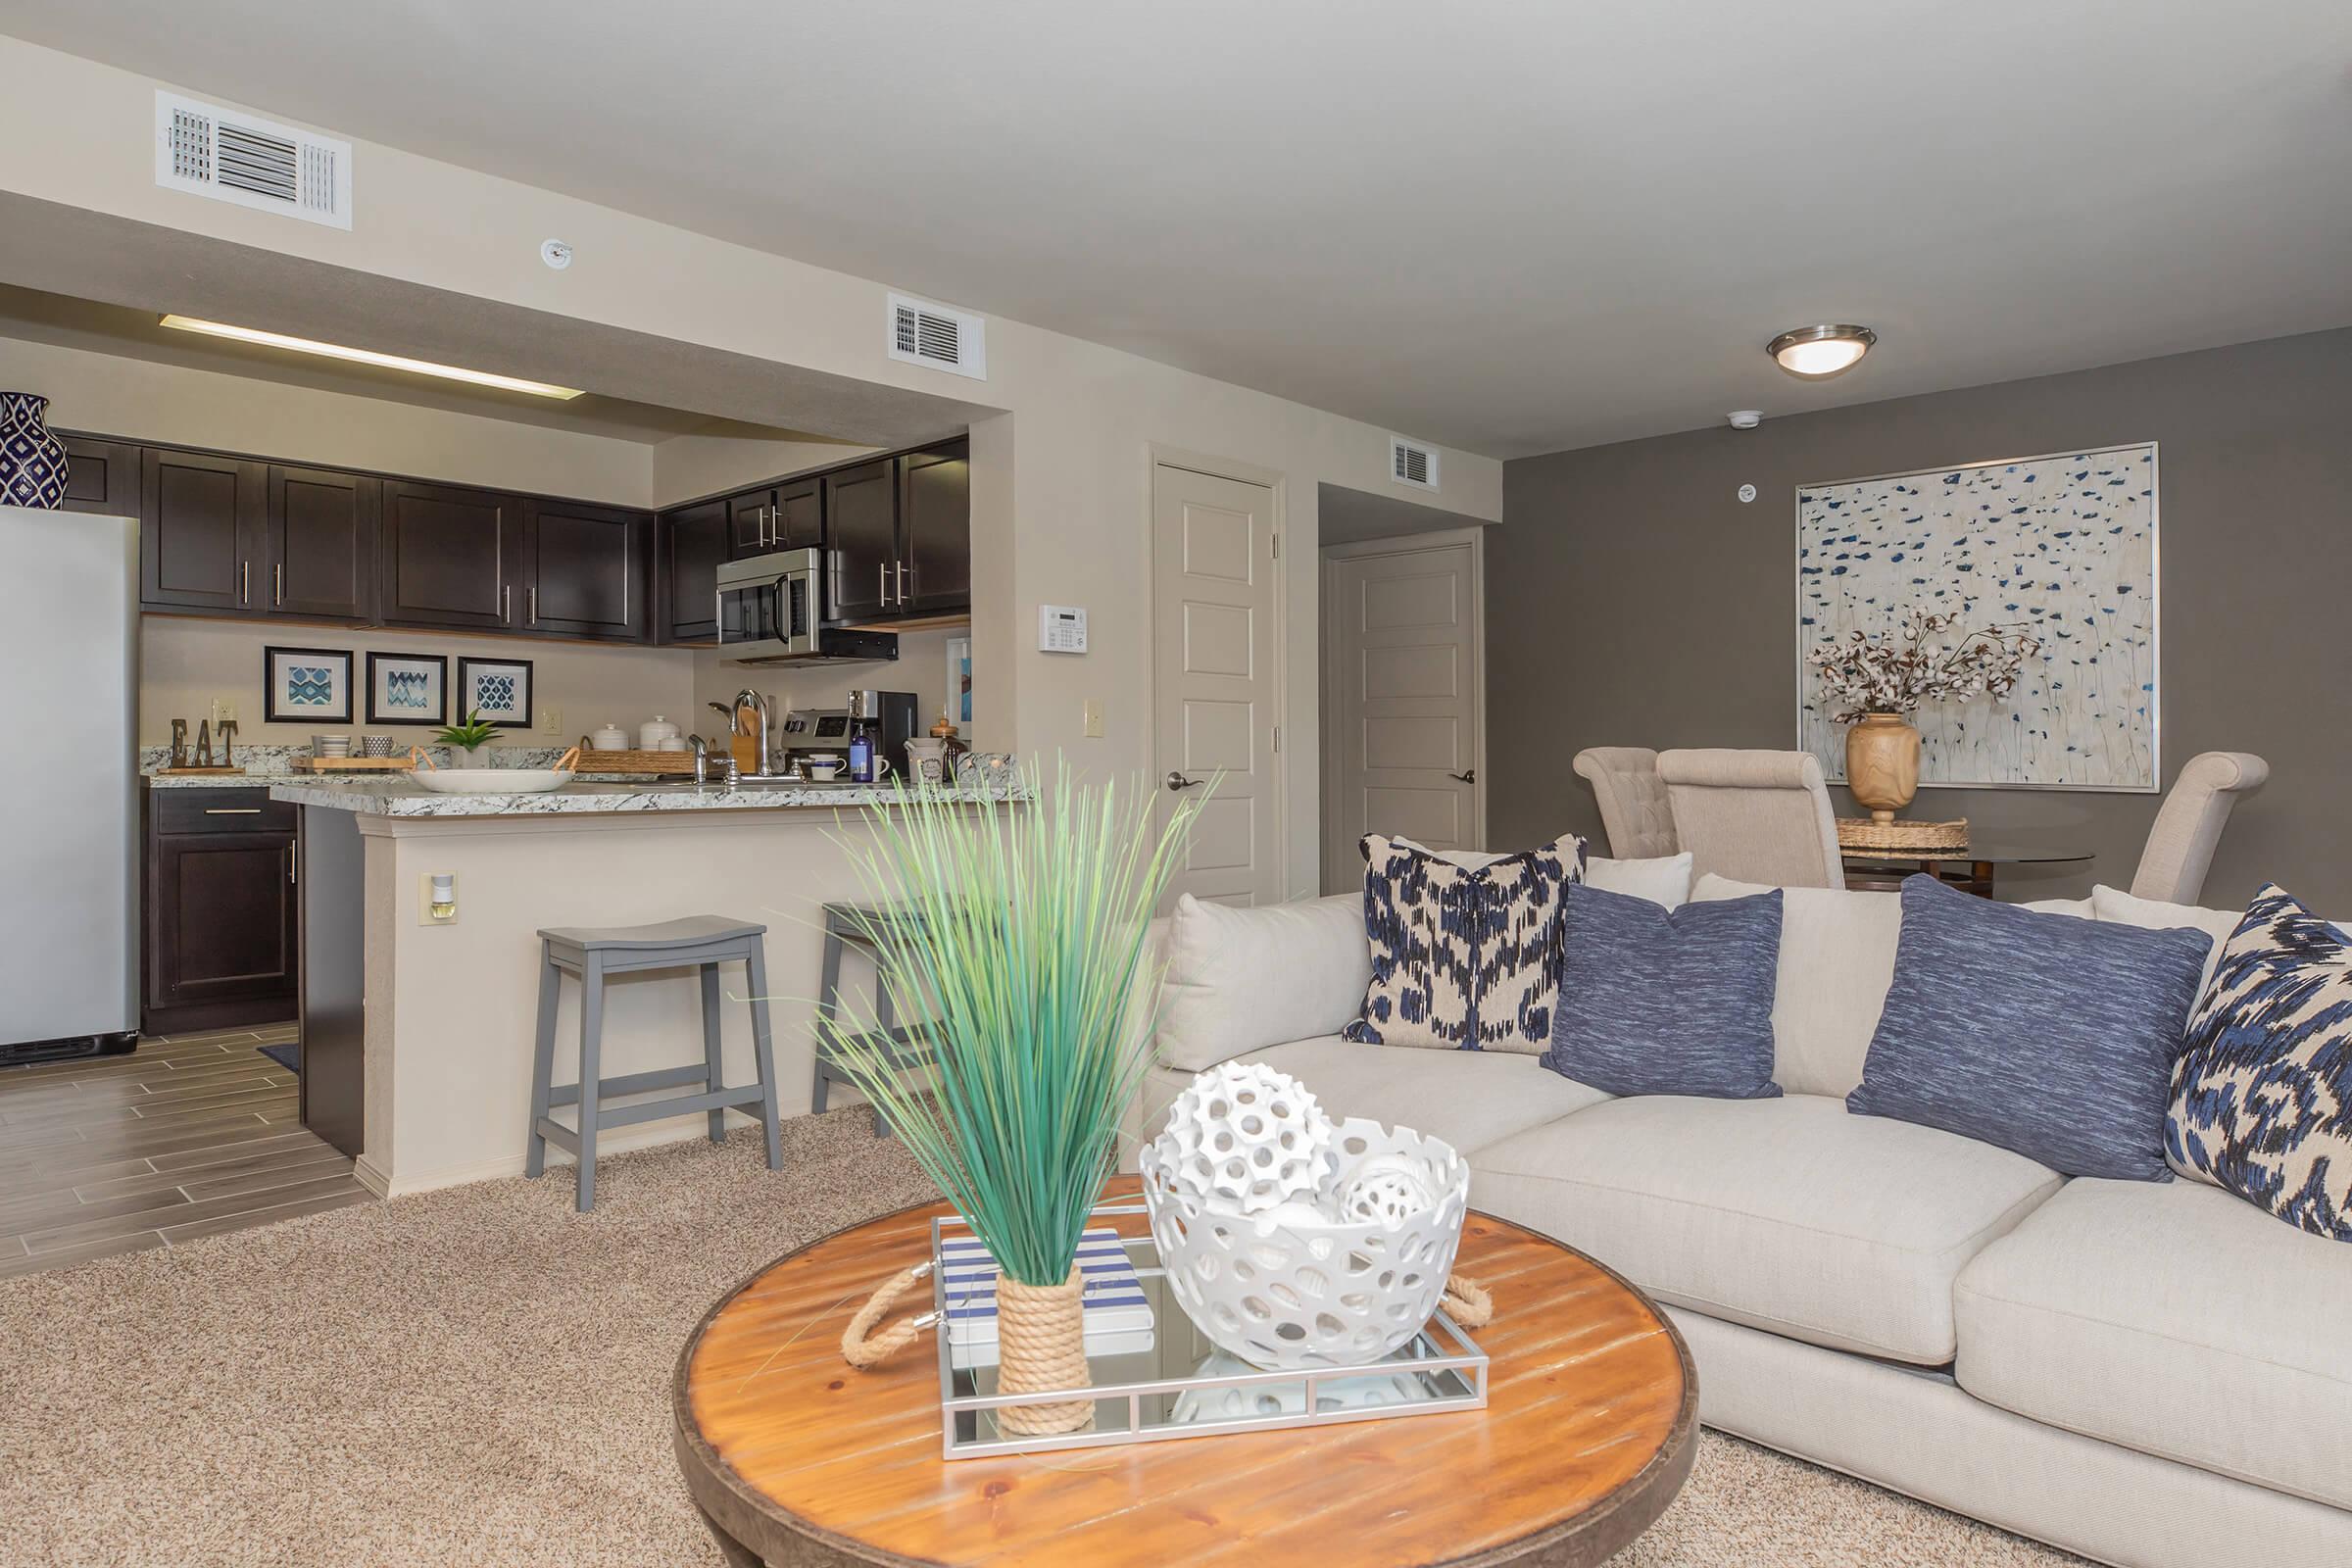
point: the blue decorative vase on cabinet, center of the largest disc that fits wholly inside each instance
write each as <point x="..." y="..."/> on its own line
<point x="32" y="461"/>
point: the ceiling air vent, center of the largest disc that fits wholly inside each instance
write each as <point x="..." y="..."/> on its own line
<point x="932" y="334"/>
<point x="1412" y="464"/>
<point x="231" y="156"/>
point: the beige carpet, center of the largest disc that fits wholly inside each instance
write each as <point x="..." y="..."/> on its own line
<point x="480" y="1377"/>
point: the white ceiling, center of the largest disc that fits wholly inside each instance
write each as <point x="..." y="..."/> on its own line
<point x="1508" y="226"/>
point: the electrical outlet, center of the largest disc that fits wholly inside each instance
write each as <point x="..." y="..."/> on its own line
<point x="551" y="720"/>
<point x="427" y="912"/>
<point x="1093" y="718"/>
<point x="224" y="710"/>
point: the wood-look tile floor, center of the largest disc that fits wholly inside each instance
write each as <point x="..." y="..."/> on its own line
<point x="184" y="1137"/>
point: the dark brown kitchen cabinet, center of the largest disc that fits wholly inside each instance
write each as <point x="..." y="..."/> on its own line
<point x="788" y="516"/>
<point x="221" y="935"/>
<point x="451" y="558"/>
<point x="935" y="531"/>
<point x="692" y="541"/>
<point x="861" y="523"/>
<point x="203" y="535"/>
<point x="800" y="522"/>
<point x="589" y="571"/>
<point x="101" y="476"/>
<point x="322" y="544"/>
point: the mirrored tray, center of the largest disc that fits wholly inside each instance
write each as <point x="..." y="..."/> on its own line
<point x="1169" y="1381"/>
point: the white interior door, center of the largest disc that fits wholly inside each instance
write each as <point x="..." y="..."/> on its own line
<point x="1215" y="686"/>
<point x="1403" y="683"/>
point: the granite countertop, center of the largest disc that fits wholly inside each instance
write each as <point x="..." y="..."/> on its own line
<point x="398" y="796"/>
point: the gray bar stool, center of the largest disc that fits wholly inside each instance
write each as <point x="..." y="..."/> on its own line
<point x="700" y="942"/>
<point x="902" y="1045"/>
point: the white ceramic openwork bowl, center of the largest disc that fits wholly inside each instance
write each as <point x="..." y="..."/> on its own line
<point x="1339" y="1276"/>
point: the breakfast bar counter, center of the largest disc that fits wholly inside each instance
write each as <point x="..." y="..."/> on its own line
<point x="430" y="1023"/>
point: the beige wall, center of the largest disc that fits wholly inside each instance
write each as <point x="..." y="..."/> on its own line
<point x="176" y="405"/>
<point x="186" y="662"/>
<point x="1067" y="522"/>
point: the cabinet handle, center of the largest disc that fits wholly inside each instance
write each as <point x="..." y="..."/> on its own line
<point x="534" y="598"/>
<point x="232" y="811"/>
<point x="901" y="580"/>
<point x="277" y="583"/>
<point x="244" y="582"/>
<point x="506" y="603"/>
<point x="292" y="877"/>
<point x="775" y="525"/>
<point x="882" y="581"/>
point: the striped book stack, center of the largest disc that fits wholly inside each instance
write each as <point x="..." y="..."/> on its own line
<point x="1118" y="1315"/>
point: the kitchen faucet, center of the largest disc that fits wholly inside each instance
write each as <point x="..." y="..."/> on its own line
<point x="758" y="705"/>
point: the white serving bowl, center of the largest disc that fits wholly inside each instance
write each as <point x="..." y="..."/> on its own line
<point x="492" y="780"/>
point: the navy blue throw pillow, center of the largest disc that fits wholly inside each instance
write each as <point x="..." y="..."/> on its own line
<point x="1660" y="1001"/>
<point x="2047" y="1035"/>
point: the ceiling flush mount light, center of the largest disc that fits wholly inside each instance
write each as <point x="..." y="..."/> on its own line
<point x="1815" y="352"/>
<point x="390" y="362"/>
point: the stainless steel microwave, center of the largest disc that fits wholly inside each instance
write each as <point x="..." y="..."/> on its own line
<point x="772" y="610"/>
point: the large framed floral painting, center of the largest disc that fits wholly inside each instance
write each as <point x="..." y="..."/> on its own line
<point x="2059" y="550"/>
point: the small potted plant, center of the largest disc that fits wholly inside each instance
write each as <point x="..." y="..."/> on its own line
<point x="1881" y="682"/>
<point x="469" y="743"/>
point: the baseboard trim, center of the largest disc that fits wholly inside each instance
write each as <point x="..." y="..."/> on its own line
<point x="365" y="1172"/>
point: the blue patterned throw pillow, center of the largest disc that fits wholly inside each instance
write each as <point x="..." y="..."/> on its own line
<point x="2262" y="1098"/>
<point x="1463" y="958"/>
<point x="1659" y="1002"/>
<point x="2047" y="1035"/>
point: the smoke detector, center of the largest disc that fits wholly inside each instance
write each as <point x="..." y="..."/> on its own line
<point x="1746" y="418"/>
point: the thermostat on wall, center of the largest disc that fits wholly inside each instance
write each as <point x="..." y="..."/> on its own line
<point x="1061" y="629"/>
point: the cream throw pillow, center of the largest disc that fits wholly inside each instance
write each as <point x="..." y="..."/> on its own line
<point x="1240" y="980"/>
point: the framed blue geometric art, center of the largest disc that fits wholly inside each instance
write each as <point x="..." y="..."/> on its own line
<point x="499" y="689"/>
<point x="408" y="689"/>
<point x="305" y="685"/>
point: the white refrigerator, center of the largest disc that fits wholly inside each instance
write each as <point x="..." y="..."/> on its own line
<point x="69" y="794"/>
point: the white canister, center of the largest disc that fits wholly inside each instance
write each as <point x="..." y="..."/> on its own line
<point x="651" y="736"/>
<point x="926" y="761"/>
<point x="612" y="738"/>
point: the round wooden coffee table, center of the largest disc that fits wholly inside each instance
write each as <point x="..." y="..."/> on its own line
<point x="795" y="1459"/>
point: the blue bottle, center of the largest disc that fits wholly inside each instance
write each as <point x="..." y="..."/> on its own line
<point x="862" y="758"/>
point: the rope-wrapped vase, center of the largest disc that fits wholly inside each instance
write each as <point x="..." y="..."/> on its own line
<point x="1041" y="1347"/>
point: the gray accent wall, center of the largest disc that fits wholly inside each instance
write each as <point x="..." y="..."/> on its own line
<point x="1632" y="600"/>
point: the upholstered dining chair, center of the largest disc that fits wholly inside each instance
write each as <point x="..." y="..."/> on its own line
<point x="1754" y="816"/>
<point x="1633" y="800"/>
<point x="2188" y="825"/>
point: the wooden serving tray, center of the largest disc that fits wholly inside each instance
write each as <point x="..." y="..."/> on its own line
<point x="594" y="762"/>
<point x="354" y="765"/>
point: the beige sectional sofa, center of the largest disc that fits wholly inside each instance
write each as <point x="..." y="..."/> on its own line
<point x="2146" y="1373"/>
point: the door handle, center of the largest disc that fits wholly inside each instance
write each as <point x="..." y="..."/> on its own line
<point x="1177" y="781"/>
<point x="1470" y="777"/>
